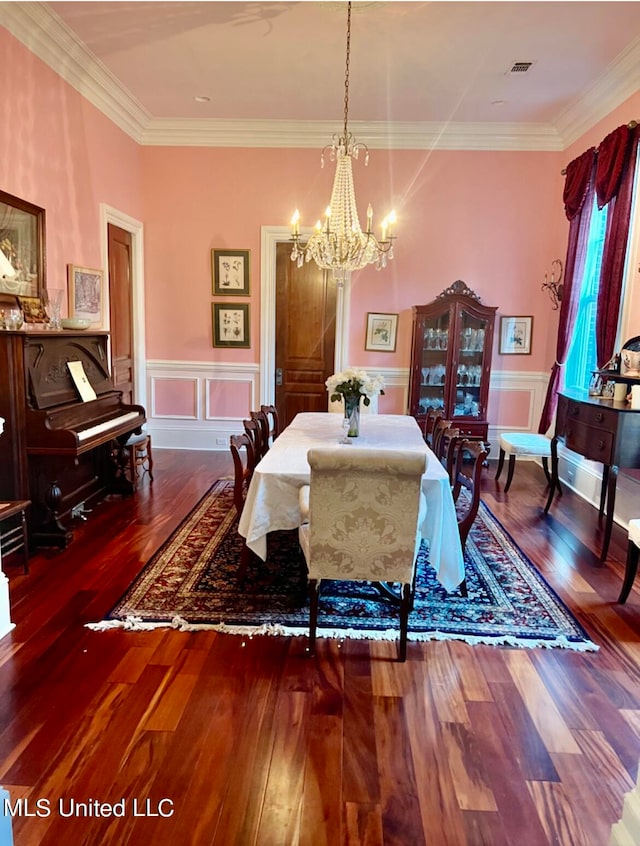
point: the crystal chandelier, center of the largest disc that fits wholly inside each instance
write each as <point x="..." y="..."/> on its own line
<point x="339" y="244"/>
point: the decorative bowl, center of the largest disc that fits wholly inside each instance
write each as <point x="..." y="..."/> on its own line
<point x="75" y="322"/>
<point x="630" y="362"/>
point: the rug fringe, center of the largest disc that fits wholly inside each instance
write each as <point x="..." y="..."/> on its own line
<point x="276" y="630"/>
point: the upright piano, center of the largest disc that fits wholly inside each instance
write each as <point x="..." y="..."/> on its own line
<point x="57" y="450"/>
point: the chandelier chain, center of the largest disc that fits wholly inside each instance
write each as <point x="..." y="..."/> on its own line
<point x="340" y="244"/>
<point x="346" y="70"/>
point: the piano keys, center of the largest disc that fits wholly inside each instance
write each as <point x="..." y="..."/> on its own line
<point x="59" y="451"/>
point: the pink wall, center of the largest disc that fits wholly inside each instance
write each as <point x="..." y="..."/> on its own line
<point x="489" y="218"/>
<point x="62" y="154"/>
<point x="493" y="219"/>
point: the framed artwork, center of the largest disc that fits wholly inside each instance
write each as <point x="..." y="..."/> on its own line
<point x="33" y="310"/>
<point x="86" y="294"/>
<point x="382" y="332"/>
<point x="515" y="335"/>
<point x="230" y="272"/>
<point x="231" y="325"/>
<point x="22" y="247"/>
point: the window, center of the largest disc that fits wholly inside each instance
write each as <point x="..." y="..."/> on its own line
<point x="582" y="353"/>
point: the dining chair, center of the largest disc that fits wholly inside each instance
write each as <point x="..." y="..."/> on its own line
<point x="526" y="445"/>
<point x="365" y="512"/>
<point x="447" y="449"/>
<point x="243" y="463"/>
<point x="273" y="422"/>
<point x="253" y="430"/>
<point x="470" y="457"/>
<point x="433" y="414"/>
<point x="261" y="419"/>
<point x="441" y="424"/>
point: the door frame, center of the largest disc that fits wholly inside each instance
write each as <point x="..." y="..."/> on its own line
<point x="271" y="236"/>
<point x="108" y="215"/>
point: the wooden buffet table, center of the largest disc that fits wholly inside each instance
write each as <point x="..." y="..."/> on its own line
<point x="601" y="430"/>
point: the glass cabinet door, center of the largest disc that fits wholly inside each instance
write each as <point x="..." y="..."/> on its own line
<point x="435" y="345"/>
<point x="469" y="360"/>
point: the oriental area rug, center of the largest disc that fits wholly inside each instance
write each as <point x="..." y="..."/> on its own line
<point x="191" y="584"/>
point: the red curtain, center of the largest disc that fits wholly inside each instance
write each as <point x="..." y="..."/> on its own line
<point x="578" y="200"/>
<point x="615" y="174"/>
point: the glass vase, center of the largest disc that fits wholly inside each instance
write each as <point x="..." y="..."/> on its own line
<point x="352" y="414"/>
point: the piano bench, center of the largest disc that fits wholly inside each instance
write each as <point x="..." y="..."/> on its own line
<point x="15" y="537"/>
<point x="140" y="455"/>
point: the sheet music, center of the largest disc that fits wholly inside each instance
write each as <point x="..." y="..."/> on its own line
<point x="76" y="368"/>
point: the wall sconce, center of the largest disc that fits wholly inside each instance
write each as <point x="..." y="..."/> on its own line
<point x="553" y="286"/>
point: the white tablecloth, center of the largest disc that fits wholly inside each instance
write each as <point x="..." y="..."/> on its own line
<point x="272" y="499"/>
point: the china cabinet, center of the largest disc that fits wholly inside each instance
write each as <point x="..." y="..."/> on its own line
<point x="451" y="359"/>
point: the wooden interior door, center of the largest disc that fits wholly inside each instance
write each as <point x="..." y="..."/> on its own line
<point x="305" y="335"/>
<point x="121" y="311"/>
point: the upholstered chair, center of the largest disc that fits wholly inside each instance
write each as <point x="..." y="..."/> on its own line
<point x="365" y="512"/>
<point x="524" y="445"/>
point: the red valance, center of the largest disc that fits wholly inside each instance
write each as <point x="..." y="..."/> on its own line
<point x="612" y="155"/>
<point x="577" y="182"/>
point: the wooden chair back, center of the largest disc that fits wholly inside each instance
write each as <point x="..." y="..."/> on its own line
<point x="447" y="447"/>
<point x="243" y="464"/>
<point x="253" y="429"/>
<point x="273" y="421"/>
<point x="439" y="427"/>
<point x="261" y="419"/>
<point x="433" y="414"/>
<point x="470" y="457"/>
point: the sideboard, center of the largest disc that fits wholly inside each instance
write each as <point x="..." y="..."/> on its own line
<point x="601" y="430"/>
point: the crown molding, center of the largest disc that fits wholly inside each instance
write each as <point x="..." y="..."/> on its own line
<point x="620" y="82"/>
<point x="50" y="39"/>
<point x="36" y="26"/>
<point x="380" y="136"/>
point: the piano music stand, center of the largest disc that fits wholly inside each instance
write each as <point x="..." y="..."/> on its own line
<point x="12" y="537"/>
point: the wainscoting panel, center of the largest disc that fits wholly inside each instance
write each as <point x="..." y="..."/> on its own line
<point x="212" y="399"/>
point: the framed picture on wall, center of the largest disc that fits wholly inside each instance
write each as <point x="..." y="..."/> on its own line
<point x="382" y="331"/>
<point x="515" y="335"/>
<point x="231" y="325"/>
<point x="230" y="272"/>
<point x="86" y="294"/>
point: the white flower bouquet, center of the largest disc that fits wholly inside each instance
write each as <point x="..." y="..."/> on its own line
<point x="353" y="383"/>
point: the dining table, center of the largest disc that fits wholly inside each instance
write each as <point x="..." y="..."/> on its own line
<point x="272" y="501"/>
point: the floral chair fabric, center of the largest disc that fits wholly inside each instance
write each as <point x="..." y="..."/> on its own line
<point x="365" y="513"/>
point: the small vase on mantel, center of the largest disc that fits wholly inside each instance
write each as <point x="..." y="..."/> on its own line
<point x="352" y="414"/>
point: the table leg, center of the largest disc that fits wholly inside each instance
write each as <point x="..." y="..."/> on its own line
<point x="603" y="488"/>
<point x="554" y="474"/>
<point x="612" y="478"/>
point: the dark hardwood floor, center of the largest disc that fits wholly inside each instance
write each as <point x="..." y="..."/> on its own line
<point x="248" y="741"/>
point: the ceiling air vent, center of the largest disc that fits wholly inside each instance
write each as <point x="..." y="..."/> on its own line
<point x="520" y="67"/>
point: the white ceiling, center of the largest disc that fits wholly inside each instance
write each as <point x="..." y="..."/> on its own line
<point x="422" y="74"/>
